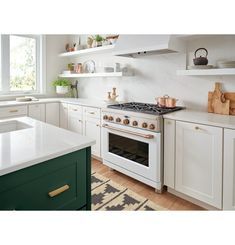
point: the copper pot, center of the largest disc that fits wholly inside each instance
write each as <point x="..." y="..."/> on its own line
<point x="171" y="102"/>
<point x="161" y="101"/>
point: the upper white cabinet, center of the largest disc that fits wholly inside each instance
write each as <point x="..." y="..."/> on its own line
<point x="64" y="115"/>
<point x="92" y="128"/>
<point x="53" y="113"/>
<point x="198" y="168"/>
<point x="75" y="120"/>
<point x="169" y="153"/>
<point x="37" y="111"/>
<point x="229" y="170"/>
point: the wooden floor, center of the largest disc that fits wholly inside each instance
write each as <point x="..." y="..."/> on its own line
<point x="166" y="200"/>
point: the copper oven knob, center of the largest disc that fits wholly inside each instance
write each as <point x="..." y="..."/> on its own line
<point x="134" y="123"/>
<point x="144" y="125"/>
<point x="110" y="118"/>
<point x="152" y="126"/>
<point x="105" y="117"/>
<point x="118" y="120"/>
<point x="126" y="121"/>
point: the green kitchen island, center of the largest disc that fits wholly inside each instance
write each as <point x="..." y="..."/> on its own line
<point x="43" y="167"/>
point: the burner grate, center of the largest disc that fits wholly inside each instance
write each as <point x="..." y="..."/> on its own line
<point x="144" y="108"/>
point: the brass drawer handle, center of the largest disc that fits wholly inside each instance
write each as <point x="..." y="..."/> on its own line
<point x="197" y="128"/>
<point x="74" y="109"/>
<point x="13" y="111"/>
<point x="58" y="191"/>
<point x="92" y="112"/>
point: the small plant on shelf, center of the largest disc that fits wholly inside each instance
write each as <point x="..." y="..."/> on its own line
<point x="98" y="39"/>
<point x="62" y="86"/>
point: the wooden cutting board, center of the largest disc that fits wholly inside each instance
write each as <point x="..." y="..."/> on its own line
<point x="217" y="102"/>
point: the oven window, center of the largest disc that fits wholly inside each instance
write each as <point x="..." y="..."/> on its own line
<point x="130" y="149"/>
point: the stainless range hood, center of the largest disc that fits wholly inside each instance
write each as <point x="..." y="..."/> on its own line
<point x="139" y="45"/>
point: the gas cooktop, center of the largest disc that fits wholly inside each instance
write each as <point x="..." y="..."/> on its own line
<point x="144" y="108"/>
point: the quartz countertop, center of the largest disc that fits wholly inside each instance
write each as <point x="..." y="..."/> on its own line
<point x="41" y="142"/>
<point x="78" y="101"/>
<point x="224" y="121"/>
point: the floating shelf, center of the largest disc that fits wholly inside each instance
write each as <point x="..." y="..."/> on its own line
<point x="102" y="49"/>
<point x="100" y="74"/>
<point x="207" y="72"/>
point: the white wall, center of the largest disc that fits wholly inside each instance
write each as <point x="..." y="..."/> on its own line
<point x="156" y="75"/>
<point x="55" y="44"/>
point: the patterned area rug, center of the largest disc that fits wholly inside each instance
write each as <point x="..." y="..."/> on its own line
<point x="109" y="196"/>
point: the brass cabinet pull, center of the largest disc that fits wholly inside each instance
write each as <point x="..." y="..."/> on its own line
<point x="13" y="111"/>
<point x="74" y="109"/>
<point x="58" y="191"/>
<point x="92" y="112"/>
<point x="197" y="128"/>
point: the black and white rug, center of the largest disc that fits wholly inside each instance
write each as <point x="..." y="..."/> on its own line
<point x="109" y="196"/>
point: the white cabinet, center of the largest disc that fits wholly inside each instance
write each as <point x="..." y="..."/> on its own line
<point x="64" y="115"/>
<point x="229" y="170"/>
<point x="198" y="167"/>
<point x="53" y="113"/>
<point x="169" y="153"/>
<point x="13" y="111"/>
<point x="92" y="129"/>
<point x="75" y="122"/>
<point x="37" y="111"/>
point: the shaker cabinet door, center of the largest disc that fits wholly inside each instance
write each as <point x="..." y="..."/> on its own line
<point x="229" y="170"/>
<point x="199" y="162"/>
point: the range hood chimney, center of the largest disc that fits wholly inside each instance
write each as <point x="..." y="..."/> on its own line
<point x="139" y="45"/>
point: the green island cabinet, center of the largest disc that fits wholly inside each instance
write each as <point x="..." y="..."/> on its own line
<point x="62" y="183"/>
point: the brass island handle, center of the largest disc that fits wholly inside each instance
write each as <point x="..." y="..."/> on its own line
<point x="13" y="111"/>
<point x="58" y="191"/>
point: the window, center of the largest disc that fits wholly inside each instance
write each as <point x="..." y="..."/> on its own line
<point x="21" y="64"/>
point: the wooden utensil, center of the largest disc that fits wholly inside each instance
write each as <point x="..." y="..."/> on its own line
<point x="217" y="102"/>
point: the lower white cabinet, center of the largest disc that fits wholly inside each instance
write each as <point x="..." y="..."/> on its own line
<point x="198" y="163"/>
<point x="75" y="122"/>
<point x="92" y="129"/>
<point x="229" y="170"/>
<point x="53" y="113"/>
<point x="13" y="111"/>
<point x="64" y="115"/>
<point x="37" y="111"/>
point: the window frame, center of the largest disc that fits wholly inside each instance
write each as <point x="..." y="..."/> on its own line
<point x="5" y="66"/>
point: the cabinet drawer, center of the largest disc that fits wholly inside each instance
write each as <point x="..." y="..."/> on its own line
<point x="75" y="110"/>
<point x="13" y="111"/>
<point x="50" y="192"/>
<point x="92" y="112"/>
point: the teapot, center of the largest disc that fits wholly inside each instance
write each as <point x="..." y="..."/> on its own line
<point x="200" y="60"/>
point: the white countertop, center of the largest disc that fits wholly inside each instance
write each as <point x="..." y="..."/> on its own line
<point x="203" y="118"/>
<point x="79" y="101"/>
<point x="26" y="147"/>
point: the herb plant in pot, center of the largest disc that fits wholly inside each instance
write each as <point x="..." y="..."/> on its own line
<point x="62" y="86"/>
<point x="98" y="40"/>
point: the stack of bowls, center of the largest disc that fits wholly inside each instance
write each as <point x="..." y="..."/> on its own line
<point x="226" y="64"/>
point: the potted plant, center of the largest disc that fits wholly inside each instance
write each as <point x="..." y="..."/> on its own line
<point x="98" y="40"/>
<point x="62" y="85"/>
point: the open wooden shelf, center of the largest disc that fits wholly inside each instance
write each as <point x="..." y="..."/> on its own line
<point x="207" y="72"/>
<point x="97" y="50"/>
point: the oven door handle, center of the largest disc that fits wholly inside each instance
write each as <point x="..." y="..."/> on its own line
<point x="146" y="136"/>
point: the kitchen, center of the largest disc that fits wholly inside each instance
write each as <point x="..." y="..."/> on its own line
<point x="149" y="137"/>
<point x="108" y="107"/>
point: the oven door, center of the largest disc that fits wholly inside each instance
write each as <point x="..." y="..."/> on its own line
<point x="133" y="149"/>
